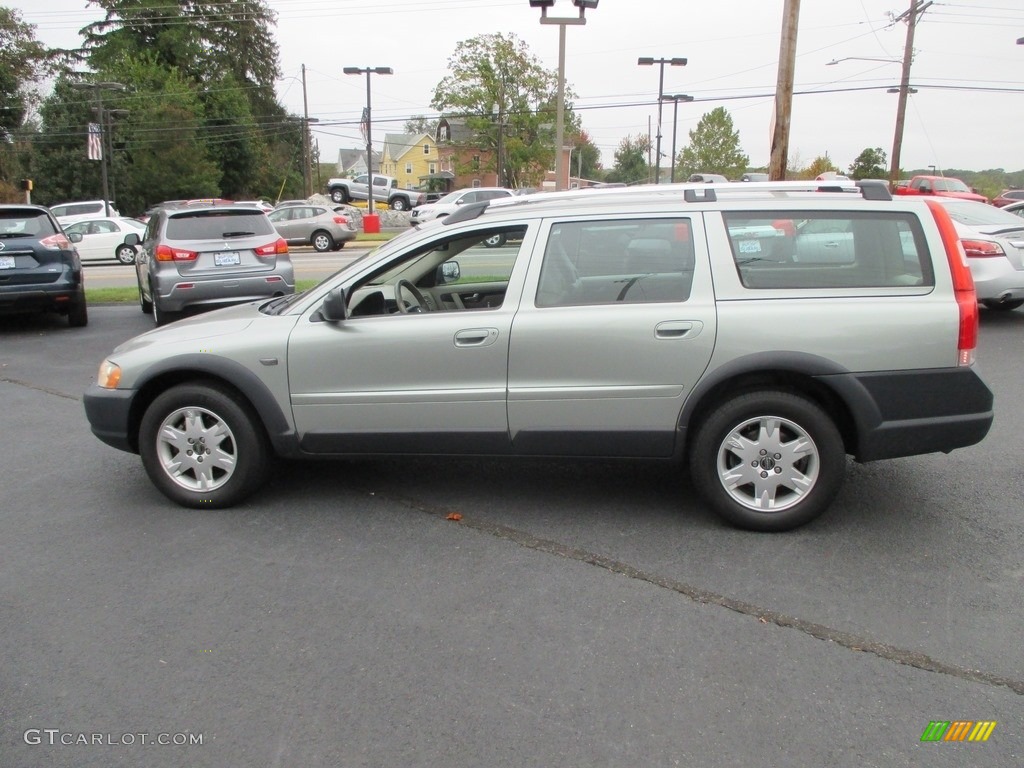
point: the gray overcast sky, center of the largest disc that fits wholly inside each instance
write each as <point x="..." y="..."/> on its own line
<point x="969" y="71"/>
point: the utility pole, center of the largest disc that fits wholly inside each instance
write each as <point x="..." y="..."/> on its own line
<point x="911" y="17"/>
<point x="784" y="92"/>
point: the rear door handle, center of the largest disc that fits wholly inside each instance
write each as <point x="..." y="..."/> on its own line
<point x="678" y="329"/>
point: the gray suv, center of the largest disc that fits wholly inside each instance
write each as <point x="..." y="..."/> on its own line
<point x="719" y="326"/>
<point x="203" y="257"/>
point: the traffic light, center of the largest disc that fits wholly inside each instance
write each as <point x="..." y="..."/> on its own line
<point x="26" y="185"/>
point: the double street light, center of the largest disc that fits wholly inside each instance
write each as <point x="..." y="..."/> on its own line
<point x="675" y="99"/>
<point x="367" y="123"/>
<point x="647" y="61"/>
<point x="562" y="23"/>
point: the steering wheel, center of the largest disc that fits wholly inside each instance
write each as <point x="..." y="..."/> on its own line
<point x="421" y="303"/>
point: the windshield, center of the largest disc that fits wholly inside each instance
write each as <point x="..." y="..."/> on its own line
<point x="950" y="185"/>
<point x="217" y="224"/>
<point x="979" y="214"/>
<point x="452" y="197"/>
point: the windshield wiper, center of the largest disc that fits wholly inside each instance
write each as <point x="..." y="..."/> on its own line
<point x="237" y="234"/>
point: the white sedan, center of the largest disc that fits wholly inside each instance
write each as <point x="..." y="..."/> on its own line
<point x="103" y="239"/>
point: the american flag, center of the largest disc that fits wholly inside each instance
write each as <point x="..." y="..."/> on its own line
<point x="95" y="142"/>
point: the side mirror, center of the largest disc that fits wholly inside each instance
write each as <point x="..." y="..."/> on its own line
<point x="449" y="272"/>
<point x="75" y="237"/>
<point x="132" y="238"/>
<point x="335" y="306"/>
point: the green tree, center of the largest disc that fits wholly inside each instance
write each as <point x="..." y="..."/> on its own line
<point x="819" y="165"/>
<point x="714" y="148"/>
<point x="631" y="164"/>
<point x="496" y="85"/>
<point x="586" y="159"/>
<point x="421" y="124"/>
<point x="23" y="61"/>
<point x="870" y="164"/>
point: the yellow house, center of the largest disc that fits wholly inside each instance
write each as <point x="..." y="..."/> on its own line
<point x="410" y="158"/>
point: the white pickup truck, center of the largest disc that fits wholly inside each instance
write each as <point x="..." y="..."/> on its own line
<point x="385" y="189"/>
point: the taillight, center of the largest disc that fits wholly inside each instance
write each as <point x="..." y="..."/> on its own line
<point x="341" y="220"/>
<point x="273" y="249"/>
<point x="166" y="253"/>
<point x="963" y="284"/>
<point x="56" y="242"/>
<point x="982" y="249"/>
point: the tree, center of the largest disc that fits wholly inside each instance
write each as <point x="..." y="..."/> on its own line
<point x="870" y="164"/>
<point x="421" y="124"/>
<point x="586" y="159"/>
<point x="714" y="148"/>
<point x="819" y="165"/>
<point x="502" y="91"/>
<point x="631" y="160"/>
<point x="23" y="61"/>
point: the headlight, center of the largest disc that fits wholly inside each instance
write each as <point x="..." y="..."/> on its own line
<point x="109" y="375"/>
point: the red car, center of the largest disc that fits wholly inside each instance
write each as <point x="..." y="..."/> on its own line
<point x="1008" y="196"/>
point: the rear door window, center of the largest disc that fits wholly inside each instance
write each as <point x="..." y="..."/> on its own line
<point x="617" y="261"/>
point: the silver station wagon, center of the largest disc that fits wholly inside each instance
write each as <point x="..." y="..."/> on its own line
<point x="759" y="333"/>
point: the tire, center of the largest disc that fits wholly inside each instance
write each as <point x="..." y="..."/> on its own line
<point x="146" y="305"/>
<point x="232" y="460"/>
<point x="495" y="241"/>
<point x="322" y="241"/>
<point x="400" y="204"/>
<point x="160" y="315"/>
<point x="778" y="437"/>
<point x="339" y="195"/>
<point x="78" y="312"/>
<point x="125" y="254"/>
<point x="1002" y="306"/>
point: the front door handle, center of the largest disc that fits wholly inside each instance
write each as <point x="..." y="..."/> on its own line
<point x="476" y="337"/>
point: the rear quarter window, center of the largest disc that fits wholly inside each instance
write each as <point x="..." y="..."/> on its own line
<point x="829" y="249"/>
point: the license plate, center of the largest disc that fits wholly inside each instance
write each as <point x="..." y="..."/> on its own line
<point x="7" y="262"/>
<point x="226" y="259"/>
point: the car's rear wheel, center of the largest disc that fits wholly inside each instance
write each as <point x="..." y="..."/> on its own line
<point x="322" y="241"/>
<point x="339" y="195"/>
<point x="1004" y="306"/>
<point x="202" y="446"/>
<point x="768" y="461"/>
<point x="125" y="254"/>
<point x="399" y="204"/>
<point x="160" y="315"/>
<point x="146" y="305"/>
<point x="78" y="312"/>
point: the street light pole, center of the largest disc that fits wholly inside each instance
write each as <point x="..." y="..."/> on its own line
<point x="369" y="135"/>
<point x="675" y="99"/>
<point x="647" y="61"/>
<point x="560" y="106"/>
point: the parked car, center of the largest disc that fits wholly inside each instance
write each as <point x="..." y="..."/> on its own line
<point x="323" y="228"/>
<point x="203" y="257"/>
<point x="707" y="178"/>
<point x="69" y="213"/>
<point x="286" y="203"/>
<point x="940" y="186"/>
<point x="40" y="270"/>
<point x="263" y="205"/>
<point x="104" y="239"/>
<point x="453" y="200"/>
<point x="1017" y="209"/>
<point x="753" y="176"/>
<point x="1008" y="196"/>
<point x="629" y="324"/>
<point x="993" y="239"/>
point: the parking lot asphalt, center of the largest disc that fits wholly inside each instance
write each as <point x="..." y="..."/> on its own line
<point x="579" y="613"/>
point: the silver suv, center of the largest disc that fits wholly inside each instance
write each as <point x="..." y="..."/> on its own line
<point x="209" y="256"/>
<point x="721" y="326"/>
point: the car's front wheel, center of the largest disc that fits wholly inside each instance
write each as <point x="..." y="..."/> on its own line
<point x="202" y="446"/>
<point x="768" y="461"/>
<point x="322" y="241"/>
